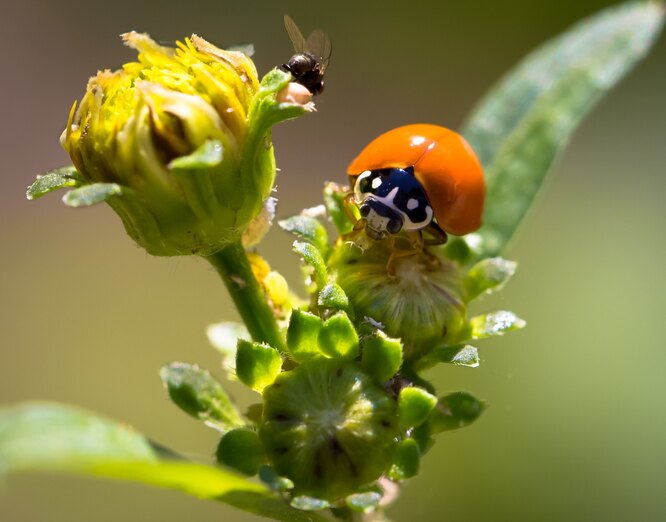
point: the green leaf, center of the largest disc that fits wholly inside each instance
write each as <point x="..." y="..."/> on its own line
<point x="257" y="364"/>
<point x="198" y="394"/>
<point x="308" y="229"/>
<point x="488" y="275"/>
<point x="91" y="194"/>
<point x="274" y="81"/>
<point x="522" y="124"/>
<point x="242" y="450"/>
<point x="382" y="356"/>
<point x="52" y="437"/>
<point x="305" y="503"/>
<point x="266" y="111"/>
<point x="414" y="406"/>
<point x="458" y="354"/>
<point x="207" y="155"/>
<point x="333" y="297"/>
<point x="406" y="460"/>
<point x="311" y="256"/>
<point x="363" y="502"/>
<point x="334" y="196"/>
<point x="54" y="180"/>
<point x="338" y="338"/>
<point x="454" y="411"/>
<point x="494" y="323"/>
<point x="303" y="335"/>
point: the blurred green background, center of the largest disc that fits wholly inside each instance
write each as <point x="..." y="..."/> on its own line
<point x="577" y="424"/>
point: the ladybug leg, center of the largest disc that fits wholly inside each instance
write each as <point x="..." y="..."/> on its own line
<point x="349" y="206"/>
<point x="416" y="240"/>
<point x="355" y="232"/>
<point x="419" y="244"/>
<point x="415" y="245"/>
<point x="437" y="235"/>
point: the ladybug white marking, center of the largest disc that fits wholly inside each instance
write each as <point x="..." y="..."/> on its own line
<point x="376" y="183"/>
<point x="412" y="204"/>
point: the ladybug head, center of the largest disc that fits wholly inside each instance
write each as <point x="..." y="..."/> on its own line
<point x="391" y="200"/>
<point x="380" y="219"/>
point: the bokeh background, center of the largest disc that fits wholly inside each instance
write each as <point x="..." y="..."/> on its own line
<point x="577" y="424"/>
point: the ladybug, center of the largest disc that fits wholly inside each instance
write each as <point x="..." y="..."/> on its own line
<point x="312" y="56"/>
<point x="418" y="178"/>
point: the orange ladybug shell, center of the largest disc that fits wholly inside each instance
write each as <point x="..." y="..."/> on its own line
<point x="444" y="164"/>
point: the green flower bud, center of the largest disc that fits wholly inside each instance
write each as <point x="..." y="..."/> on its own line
<point x="241" y="449"/>
<point x="328" y="427"/>
<point x="420" y="301"/>
<point x="178" y="143"/>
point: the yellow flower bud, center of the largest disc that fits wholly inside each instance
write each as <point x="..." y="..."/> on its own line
<point x="178" y="143"/>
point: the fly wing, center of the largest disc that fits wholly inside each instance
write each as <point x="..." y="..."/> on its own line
<point x="319" y="44"/>
<point x="295" y="35"/>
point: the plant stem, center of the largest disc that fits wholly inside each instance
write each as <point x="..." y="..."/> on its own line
<point x="234" y="267"/>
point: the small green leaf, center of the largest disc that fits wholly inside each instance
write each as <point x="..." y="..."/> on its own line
<point x="525" y="121"/>
<point x="406" y="460"/>
<point x="305" y="503"/>
<point x="382" y="356"/>
<point x="488" y="275"/>
<point x="333" y="297"/>
<point x="303" y="335"/>
<point x="91" y="194"/>
<point x="54" y="180"/>
<point x="414" y="406"/>
<point x="494" y="323"/>
<point x="338" y="338"/>
<point x="53" y="437"/>
<point x="311" y="255"/>
<point x="334" y="197"/>
<point x="242" y="450"/>
<point x="207" y="155"/>
<point x="266" y="111"/>
<point x="257" y="364"/>
<point x="363" y="502"/>
<point x="458" y="354"/>
<point x="423" y="437"/>
<point x="198" y="394"/>
<point x="454" y="411"/>
<point x="274" y="80"/>
<point x="308" y="229"/>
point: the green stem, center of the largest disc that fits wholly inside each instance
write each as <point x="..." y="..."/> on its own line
<point x="234" y="267"/>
